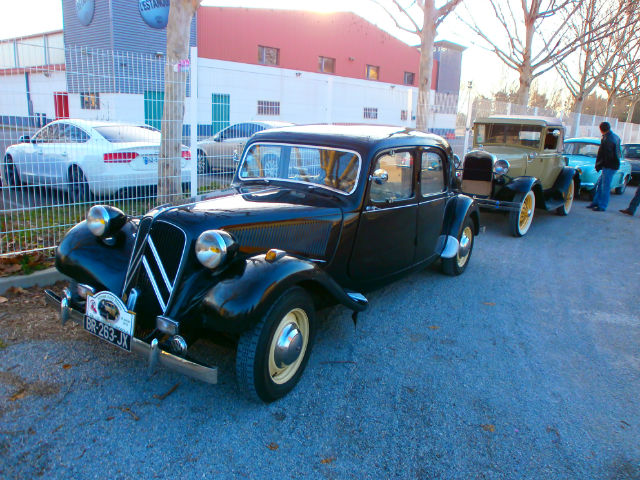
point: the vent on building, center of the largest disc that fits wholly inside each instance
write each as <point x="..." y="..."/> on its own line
<point x="268" y="108"/>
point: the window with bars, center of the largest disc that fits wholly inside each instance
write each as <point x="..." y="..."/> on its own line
<point x="90" y="101"/>
<point x="373" y="72"/>
<point x="268" y="55"/>
<point x="403" y="115"/>
<point x="409" y="78"/>
<point x="327" y="64"/>
<point x="266" y="107"/>
<point x="370" y="113"/>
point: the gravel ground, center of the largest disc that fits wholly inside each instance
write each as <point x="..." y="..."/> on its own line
<point x="527" y="366"/>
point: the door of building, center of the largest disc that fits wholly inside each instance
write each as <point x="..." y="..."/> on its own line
<point x="153" y="107"/>
<point x="61" y="104"/>
<point x="220" y="109"/>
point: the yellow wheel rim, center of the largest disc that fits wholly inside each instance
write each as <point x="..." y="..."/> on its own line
<point x="526" y="211"/>
<point x="568" y="200"/>
<point x="467" y="236"/>
<point x="299" y="319"/>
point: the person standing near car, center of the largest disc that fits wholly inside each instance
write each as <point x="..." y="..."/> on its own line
<point x="607" y="163"/>
<point x="633" y="205"/>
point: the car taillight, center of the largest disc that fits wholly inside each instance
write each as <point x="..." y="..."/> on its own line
<point x="186" y="154"/>
<point x="119" y="157"/>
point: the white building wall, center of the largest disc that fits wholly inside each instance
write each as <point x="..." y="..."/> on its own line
<point x="13" y="93"/>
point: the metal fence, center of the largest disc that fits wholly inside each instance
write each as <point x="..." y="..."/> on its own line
<point x="80" y="126"/>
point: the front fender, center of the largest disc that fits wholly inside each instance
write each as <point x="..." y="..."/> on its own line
<point x="86" y="259"/>
<point x="567" y="175"/>
<point x="236" y="303"/>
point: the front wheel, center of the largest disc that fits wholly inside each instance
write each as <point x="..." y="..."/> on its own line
<point x="456" y="265"/>
<point x="11" y="174"/>
<point x="568" y="201"/>
<point x="272" y="356"/>
<point x="520" y="220"/>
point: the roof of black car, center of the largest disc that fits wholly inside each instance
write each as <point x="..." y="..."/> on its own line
<point x="343" y="135"/>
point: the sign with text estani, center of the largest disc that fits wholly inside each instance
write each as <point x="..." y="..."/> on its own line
<point x="155" y="13"/>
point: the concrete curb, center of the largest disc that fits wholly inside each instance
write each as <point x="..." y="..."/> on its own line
<point x="41" y="278"/>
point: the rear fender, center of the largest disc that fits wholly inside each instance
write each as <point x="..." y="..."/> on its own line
<point x="234" y="304"/>
<point x="457" y="211"/>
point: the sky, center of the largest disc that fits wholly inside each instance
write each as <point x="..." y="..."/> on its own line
<point x="26" y="17"/>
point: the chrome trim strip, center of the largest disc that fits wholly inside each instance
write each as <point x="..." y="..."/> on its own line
<point x="182" y="261"/>
<point x="178" y="364"/>
<point x="154" y="284"/>
<point x="160" y="266"/>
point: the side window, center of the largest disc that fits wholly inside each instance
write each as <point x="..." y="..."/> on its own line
<point x="431" y="174"/>
<point x="552" y="141"/>
<point x="398" y="167"/>
<point x="48" y="134"/>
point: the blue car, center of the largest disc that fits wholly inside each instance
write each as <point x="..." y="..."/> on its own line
<point x="581" y="154"/>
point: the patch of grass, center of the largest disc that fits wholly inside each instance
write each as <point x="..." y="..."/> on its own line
<point x="3" y="345"/>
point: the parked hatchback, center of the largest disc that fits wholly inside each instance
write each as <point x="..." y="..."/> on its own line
<point x="631" y="153"/>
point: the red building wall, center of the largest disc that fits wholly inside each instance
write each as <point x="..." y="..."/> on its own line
<point x="234" y="34"/>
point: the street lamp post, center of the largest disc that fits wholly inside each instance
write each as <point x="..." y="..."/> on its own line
<point x="468" y="126"/>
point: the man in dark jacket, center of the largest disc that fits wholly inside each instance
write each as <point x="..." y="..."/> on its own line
<point x="607" y="162"/>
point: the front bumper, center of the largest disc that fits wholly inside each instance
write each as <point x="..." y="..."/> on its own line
<point x="151" y="351"/>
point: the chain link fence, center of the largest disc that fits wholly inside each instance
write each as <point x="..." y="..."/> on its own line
<point x="80" y="126"/>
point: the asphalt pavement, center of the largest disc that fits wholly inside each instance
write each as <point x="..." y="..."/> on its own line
<point x="527" y="366"/>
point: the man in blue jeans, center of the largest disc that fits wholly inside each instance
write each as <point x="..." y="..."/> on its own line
<point x="607" y="160"/>
<point x="633" y="205"/>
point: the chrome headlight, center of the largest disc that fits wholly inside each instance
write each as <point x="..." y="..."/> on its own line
<point x="104" y="220"/>
<point x="501" y="167"/>
<point x="213" y="247"/>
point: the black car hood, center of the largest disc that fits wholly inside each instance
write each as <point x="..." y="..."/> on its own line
<point x="304" y="223"/>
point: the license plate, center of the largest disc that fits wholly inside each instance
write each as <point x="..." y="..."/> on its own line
<point x="107" y="318"/>
<point x="149" y="159"/>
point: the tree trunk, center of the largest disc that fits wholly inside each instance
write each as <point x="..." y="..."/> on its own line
<point x="175" y="84"/>
<point x="610" y="99"/>
<point x="632" y="108"/>
<point x="577" y="113"/>
<point x="525" y="70"/>
<point x="426" y="66"/>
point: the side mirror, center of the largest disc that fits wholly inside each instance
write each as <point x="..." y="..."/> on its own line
<point x="555" y="133"/>
<point x="380" y="176"/>
<point x="24" y="139"/>
<point x="457" y="162"/>
<point x="216" y="137"/>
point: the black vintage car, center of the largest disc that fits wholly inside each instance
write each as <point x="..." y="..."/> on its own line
<point x="316" y="215"/>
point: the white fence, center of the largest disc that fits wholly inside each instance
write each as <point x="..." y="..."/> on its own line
<point x="104" y="145"/>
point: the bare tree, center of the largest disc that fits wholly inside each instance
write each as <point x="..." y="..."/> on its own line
<point x="596" y="56"/>
<point x="175" y="80"/>
<point x="432" y="17"/>
<point x="533" y="37"/>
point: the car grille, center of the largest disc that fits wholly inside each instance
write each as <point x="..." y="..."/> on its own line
<point x="155" y="265"/>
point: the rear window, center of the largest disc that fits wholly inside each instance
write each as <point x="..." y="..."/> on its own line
<point x="330" y="168"/>
<point x="129" y="133"/>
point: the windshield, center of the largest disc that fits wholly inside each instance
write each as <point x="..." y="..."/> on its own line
<point x="507" y="134"/>
<point x="578" y="148"/>
<point x="129" y="133"/>
<point x="329" y="168"/>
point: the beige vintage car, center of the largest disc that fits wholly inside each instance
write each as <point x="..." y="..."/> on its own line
<point x="221" y="152"/>
<point x="517" y="165"/>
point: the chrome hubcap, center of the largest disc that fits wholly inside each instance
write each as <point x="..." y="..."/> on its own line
<point x="288" y="346"/>
<point x="465" y="246"/>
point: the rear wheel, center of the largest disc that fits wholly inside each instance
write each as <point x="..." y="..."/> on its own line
<point x="520" y="220"/>
<point x="568" y="201"/>
<point x="272" y="356"/>
<point x="78" y="186"/>
<point x="458" y="264"/>
<point x="11" y="174"/>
